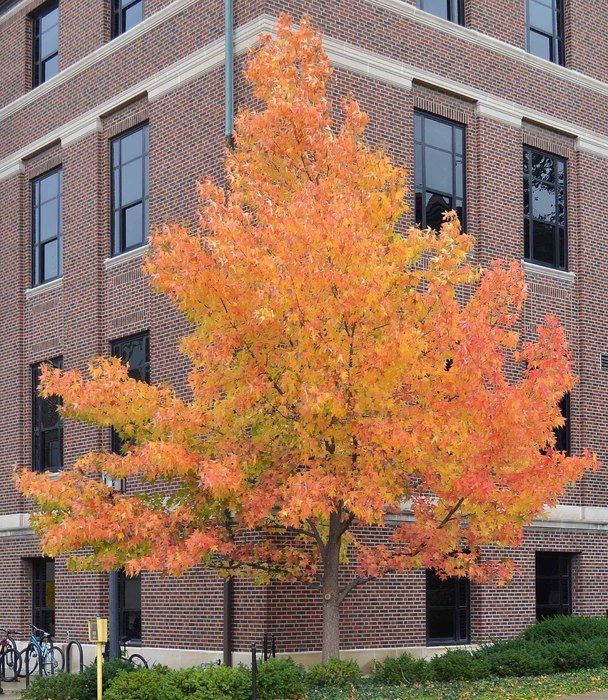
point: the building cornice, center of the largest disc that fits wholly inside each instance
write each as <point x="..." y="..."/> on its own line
<point x="341" y="54"/>
<point x="472" y="36"/>
<point x="99" y="54"/>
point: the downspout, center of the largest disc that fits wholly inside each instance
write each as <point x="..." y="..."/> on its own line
<point x="228" y="620"/>
<point x="229" y="70"/>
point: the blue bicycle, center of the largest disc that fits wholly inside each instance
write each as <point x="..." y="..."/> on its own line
<point x="41" y="650"/>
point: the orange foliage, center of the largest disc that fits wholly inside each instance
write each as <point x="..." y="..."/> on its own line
<point x="339" y="365"/>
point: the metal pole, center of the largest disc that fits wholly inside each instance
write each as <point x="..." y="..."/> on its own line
<point x="254" y="673"/>
<point x="229" y="69"/>
<point x="113" y="616"/>
<point x="228" y="620"/>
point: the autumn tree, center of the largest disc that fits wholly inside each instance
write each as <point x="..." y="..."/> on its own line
<point x="343" y="368"/>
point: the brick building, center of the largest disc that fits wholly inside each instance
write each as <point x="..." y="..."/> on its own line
<point x="110" y="110"/>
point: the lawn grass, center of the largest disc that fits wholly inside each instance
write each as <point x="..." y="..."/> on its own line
<point x="536" y="688"/>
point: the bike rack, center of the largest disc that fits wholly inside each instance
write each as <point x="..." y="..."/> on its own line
<point x="68" y="649"/>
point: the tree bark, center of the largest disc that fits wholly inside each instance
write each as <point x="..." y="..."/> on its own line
<point x="331" y="592"/>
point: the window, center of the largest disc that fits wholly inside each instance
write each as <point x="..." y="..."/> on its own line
<point x="47" y="427"/>
<point x="439" y="169"/>
<point x="46" y="43"/>
<point x="126" y="14"/>
<point x="134" y="351"/>
<point x="448" y="9"/>
<point x="545" y="29"/>
<point x="447" y="609"/>
<point x="130" y="190"/>
<point x="47" y="193"/>
<point x="545" y="229"/>
<point x="43" y="594"/>
<point x="129" y="606"/>
<point x="553" y="584"/>
<point x="562" y="435"/>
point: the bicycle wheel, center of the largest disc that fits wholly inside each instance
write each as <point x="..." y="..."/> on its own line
<point x="10" y="664"/>
<point x="32" y="652"/>
<point x="137" y="661"/>
<point x="53" y="661"/>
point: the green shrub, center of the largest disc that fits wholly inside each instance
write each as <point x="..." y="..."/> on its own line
<point x="402" y="670"/>
<point x="210" y="683"/>
<point x="110" y="670"/>
<point x="63" y="686"/>
<point x="518" y="659"/>
<point x="567" y="629"/>
<point x="336" y="674"/>
<point x="459" y="665"/>
<point x="280" y="679"/>
<point x="571" y="656"/>
<point x="141" y="684"/>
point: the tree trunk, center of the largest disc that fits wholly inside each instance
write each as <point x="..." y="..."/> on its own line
<point x="331" y="593"/>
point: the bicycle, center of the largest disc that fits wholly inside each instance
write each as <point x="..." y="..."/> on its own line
<point x="10" y="658"/>
<point x="136" y="660"/>
<point x="41" y="649"/>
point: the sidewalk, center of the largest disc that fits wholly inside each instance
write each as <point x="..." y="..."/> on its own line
<point x="589" y="696"/>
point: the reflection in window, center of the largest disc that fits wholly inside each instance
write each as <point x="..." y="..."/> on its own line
<point x="447" y="609"/>
<point x="545" y="29"/>
<point x="562" y="435"/>
<point x="46" y="227"/>
<point x="452" y="10"/>
<point x="129" y="606"/>
<point x="439" y="169"/>
<point x="45" y="43"/>
<point x="130" y="190"/>
<point x="553" y="584"/>
<point x="545" y="228"/>
<point x="47" y="426"/>
<point x="125" y="15"/>
<point x="43" y="594"/>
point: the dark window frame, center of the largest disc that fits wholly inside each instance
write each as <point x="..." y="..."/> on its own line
<point x="529" y="220"/>
<point x="456" y="610"/>
<point x="38" y="62"/>
<point x="117" y="350"/>
<point x="420" y="211"/>
<point x="557" y="38"/>
<point x="119" y="8"/>
<point x="564" y="575"/>
<point x="38" y="246"/>
<point x="454" y="10"/>
<point x="43" y="615"/>
<point x="38" y="431"/>
<point x="118" y="242"/>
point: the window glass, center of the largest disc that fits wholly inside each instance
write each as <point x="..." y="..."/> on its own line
<point x="447" y="609"/>
<point x="439" y="169"/>
<point x="45" y="42"/>
<point x="553" y="584"/>
<point x="448" y="9"/>
<point x="545" y="32"/>
<point x="545" y="226"/>
<point x="46" y="227"/>
<point x="129" y="606"/>
<point x="47" y="426"/>
<point x="126" y="14"/>
<point x="43" y="594"/>
<point x="130" y="190"/>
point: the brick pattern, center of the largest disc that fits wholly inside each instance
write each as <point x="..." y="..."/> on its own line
<point x="96" y="304"/>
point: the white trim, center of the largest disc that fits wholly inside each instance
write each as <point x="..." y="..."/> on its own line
<point x="33" y="292"/>
<point x="14" y="522"/>
<point x="96" y="56"/>
<point x="472" y="36"/>
<point x="13" y="10"/>
<point x="117" y="260"/>
<point x="367" y="63"/>
<point x="548" y="271"/>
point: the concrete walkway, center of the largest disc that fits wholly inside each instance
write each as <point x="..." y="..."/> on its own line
<point x="589" y="696"/>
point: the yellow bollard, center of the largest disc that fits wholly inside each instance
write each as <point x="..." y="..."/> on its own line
<point x="98" y="634"/>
